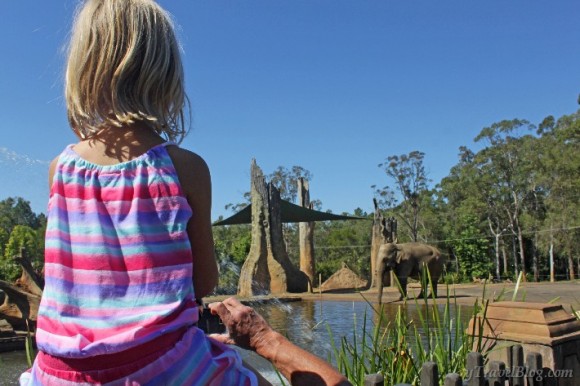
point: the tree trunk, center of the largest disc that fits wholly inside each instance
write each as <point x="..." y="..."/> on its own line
<point x="522" y="253"/>
<point x="515" y="252"/>
<point x="376" y="241"/>
<point x="18" y="307"/>
<point x="535" y="260"/>
<point x="306" y="235"/>
<point x="552" y="276"/>
<point x="254" y="275"/>
<point x="29" y="281"/>
<point x="383" y="231"/>
<point x="497" y="235"/>
<point x="505" y="260"/>
<point x="571" y="262"/>
<point x="497" y="260"/>
<point x="267" y="269"/>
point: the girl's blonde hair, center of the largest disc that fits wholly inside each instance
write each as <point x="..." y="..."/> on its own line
<point x="124" y="66"/>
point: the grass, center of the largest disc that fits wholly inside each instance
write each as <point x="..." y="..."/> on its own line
<point x="29" y="346"/>
<point x="398" y="348"/>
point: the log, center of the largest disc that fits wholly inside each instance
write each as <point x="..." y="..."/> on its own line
<point x="22" y="299"/>
<point x="376" y="241"/>
<point x="306" y="235"/>
<point x="29" y="281"/>
<point x="254" y="275"/>
<point x="267" y="269"/>
<point x="18" y="306"/>
<point x="382" y="232"/>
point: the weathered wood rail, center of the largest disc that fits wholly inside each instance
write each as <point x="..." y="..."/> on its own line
<point x="517" y="372"/>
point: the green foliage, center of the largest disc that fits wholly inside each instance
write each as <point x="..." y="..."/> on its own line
<point x="232" y="244"/>
<point x="452" y="278"/>
<point x="4" y="236"/>
<point x="398" y="348"/>
<point x="338" y="242"/>
<point x="228" y="278"/>
<point x="16" y="211"/>
<point x="20" y="228"/>
<point x="471" y="248"/>
<point x="25" y="237"/>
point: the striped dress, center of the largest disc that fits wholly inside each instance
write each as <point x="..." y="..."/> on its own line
<point x="118" y="306"/>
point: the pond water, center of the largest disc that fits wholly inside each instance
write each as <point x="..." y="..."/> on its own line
<point x="306" y="323"/>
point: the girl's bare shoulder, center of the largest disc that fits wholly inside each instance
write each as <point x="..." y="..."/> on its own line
<point x="191" y="169"/>
<point x="183" y="158"/>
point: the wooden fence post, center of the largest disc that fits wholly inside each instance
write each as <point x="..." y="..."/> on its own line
<point x="516" y="365"/>
<point x="429" y="374"/>
<point x="496" y="374"/>
<point x="534" y="369"/>
<point x="374" y="380"/>
<point x="474" y="365"/>
<point x="453" y="380"/>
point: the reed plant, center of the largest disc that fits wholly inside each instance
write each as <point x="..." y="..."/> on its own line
<point x="398" y="348"/>
<point x="29" y="346"/>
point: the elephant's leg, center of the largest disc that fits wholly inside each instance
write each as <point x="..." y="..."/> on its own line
<point x="435" y="280"/>
<point x="382" y="279"/>
<point x="403" y="289"/>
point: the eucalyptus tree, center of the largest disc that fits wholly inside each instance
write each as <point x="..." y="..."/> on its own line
<point x="411" y="181"/>
<point x="286" y="180"/>
<point x="560" y="178"/>
<point x="468" y="212"/>
<point x="505" y="168"/>
<point x="17" y="211"/>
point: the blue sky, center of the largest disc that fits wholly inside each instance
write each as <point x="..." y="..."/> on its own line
<point x="332" y="86"/>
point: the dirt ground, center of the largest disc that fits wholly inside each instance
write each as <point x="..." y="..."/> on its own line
<point x="566" y="293"/>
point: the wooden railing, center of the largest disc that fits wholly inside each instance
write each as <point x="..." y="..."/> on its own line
<point x="516" y="372"/>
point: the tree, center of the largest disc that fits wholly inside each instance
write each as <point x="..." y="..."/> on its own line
<point x="232" y="244"/>
<point x="463" y="203"/>
<point x="410" y="178"/>
<point x="16" y="211"/>
<point x="240" y="205"/>
<point x="560" y="180"/>
<point x="338" y="242"/>
<point x="22" y="236"/>
<point x="470" y="247"/>
<point x="504" y="167"/>
<point x="286" y="180"/>
<point x="4" y="236"/>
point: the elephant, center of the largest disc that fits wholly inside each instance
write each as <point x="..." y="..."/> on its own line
<point x="408" y="260"/>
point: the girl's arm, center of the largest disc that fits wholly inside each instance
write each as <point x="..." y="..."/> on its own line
<point x="195" y="180"/>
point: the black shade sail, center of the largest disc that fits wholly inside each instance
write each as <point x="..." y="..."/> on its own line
<point x="289" y="213"/>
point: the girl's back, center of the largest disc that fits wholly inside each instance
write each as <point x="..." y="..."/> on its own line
<point x="118" y="258"/>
